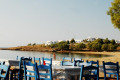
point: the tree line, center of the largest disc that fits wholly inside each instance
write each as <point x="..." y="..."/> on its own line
<point x="96" y="45"/>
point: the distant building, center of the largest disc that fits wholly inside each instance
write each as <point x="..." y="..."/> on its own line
<point x="53" y="42"/>
<point x="61" y="40"/>
<point x="49" y="43"/>
<point x="78" y="41"/>
<point x="91" y="39"/>
<point x="117" y="41"/>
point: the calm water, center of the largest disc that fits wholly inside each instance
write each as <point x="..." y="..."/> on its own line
<point x="9" y="54"/>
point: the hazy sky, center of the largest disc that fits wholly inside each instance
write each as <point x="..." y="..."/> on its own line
<point x="38" y="21"/>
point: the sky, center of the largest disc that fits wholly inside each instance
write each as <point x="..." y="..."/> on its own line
<point x="37" y="21"/>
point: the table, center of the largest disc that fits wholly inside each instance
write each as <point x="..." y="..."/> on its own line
<point x="66" y="72"/>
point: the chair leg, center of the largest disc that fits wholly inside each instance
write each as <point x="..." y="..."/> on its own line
<point x="118" y="77"/>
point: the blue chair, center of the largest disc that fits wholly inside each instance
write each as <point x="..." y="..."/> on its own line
<point x="37" y="60"/>
<point x="94" y="63"/>
<point x="68" y="61"/>
<point x="18" y="57"/>
<point x="30" y="70"/>
<point x="2" y="63"/>
<point x="21" y="72"/>
<point x="77" y="61"/>
<point x="18" y="73"/>
<point x="111" y="68"/>
<point x="47" y="61"/>
<point x="86" y="72"/>
<point x="44" y="72"/>
<point x="4" y="72"/>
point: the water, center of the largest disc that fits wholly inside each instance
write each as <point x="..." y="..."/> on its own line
<point x="10" y="54"/>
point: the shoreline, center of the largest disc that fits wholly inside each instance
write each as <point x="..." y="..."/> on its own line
<point x="114" y="56"/>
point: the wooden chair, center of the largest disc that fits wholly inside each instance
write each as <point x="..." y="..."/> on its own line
<point x="111" y="69"/>
<point x="86" y="72"/>
<point x="44" y="72"/>
<point x="37" y="60"/>
<point x="4" y="72"/>
<point x="30" y="70"/>
<point x="67" y="61"/>
<point x="46" y="61"/>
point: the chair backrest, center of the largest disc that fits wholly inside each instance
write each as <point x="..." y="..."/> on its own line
<point x="77" y="61"/>
<point x="20" y="76"/>
<point x="30" y="70"/>
<point x="67" y="61"/>
<point x="4" y="72"/>
<point x="44" y="72"/>
<point x="37" y="60"/>
<point x="85" y="64"/>
<point x="94" y="63"/>
<point x="111" y="68"/>
<point x="46" y="61"/>
<point x="24" y="59"/>
<point x="18" y="57"/>
<point x="86" y="72"/>
<point x="2" y="63"/>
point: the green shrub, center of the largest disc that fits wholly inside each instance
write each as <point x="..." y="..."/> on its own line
<point x="105" y="47"/>
<point x="80" y="46"/>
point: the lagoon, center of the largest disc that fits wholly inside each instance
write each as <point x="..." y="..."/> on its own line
<point x="11" y="54"/>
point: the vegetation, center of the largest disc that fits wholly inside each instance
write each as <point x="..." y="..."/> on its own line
<point x="96" y="45"/>
<point x="80" y="46"/>
<point x="31" y="44"/>
<point x="114" y="12"/>
<point x="72" y="40"/>
<point x="102" y="45"/>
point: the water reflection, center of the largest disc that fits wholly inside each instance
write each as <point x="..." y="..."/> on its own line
<point x="8" y="54"/>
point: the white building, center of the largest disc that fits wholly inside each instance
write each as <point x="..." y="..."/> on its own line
<point x="78" y="41"/>
<point x="117" y="41"/>
<point x="49" y="43"/>
<point x="61" y="40"/>
<point x="91" y="39"/>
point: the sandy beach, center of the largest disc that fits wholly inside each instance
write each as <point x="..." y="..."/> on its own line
<point x="113" y="56"/>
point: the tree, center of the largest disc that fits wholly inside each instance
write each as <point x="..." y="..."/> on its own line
<point x="72" y="40"/>
<point x="29" y="44"/>
<point x="99" y="41"/>
<point x="111" y="47"/>
<point x="112" y="41"/>
<point x="34" y="44"/>
<point x="114" y="12"/>
<point x="104" y="47"/>
<point x="85" y="40"/>
<point x="54" y="45"/>
<point x="106" y="41"/>
<point x="96" y="47"/>
<point x="80" y="46"/>
<point x="89" y="45"/>
<point x="68" y="42"/>
<point x="63" y="45"/>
